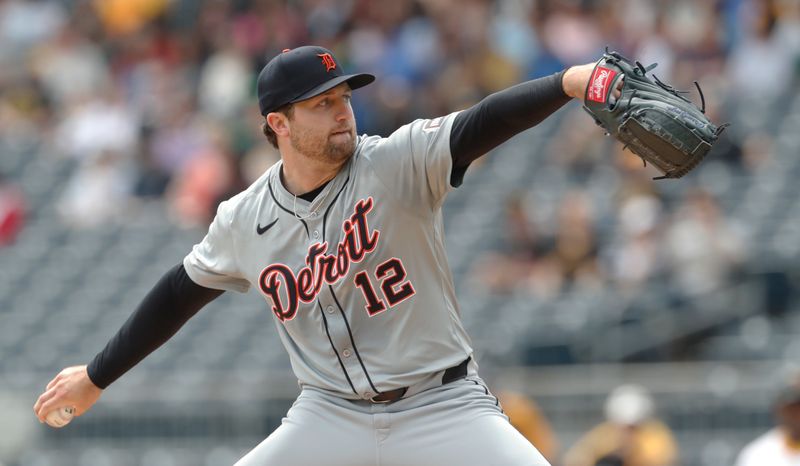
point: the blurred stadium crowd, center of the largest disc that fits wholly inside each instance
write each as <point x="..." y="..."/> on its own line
<point x="154" y="99"/>
<point x="151" y="102"/>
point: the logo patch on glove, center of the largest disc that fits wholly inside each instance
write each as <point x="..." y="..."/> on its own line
<point x="601" y="79"/>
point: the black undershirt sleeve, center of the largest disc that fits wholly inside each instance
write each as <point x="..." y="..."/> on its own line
<point x="500" y="116"/>
<point x="169" y="305"/>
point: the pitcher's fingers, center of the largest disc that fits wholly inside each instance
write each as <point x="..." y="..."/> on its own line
<point x="50" y="405"/>
<point x="54" y="381"/>
<point x="43" y="398"/>
<point x="618" y="87"/>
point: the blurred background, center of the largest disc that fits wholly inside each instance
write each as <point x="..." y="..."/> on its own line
<point x="123" y="123"/>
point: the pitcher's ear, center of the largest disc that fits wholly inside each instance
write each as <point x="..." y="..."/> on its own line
<point x="278" y="122"/>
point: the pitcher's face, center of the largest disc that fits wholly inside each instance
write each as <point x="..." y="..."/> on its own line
<point x="323" y="127"/>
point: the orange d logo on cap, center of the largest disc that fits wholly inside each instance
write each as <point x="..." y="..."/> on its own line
<point x="327" y="60"/>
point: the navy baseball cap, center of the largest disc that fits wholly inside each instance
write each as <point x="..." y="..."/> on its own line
<point x="301" y="73"/>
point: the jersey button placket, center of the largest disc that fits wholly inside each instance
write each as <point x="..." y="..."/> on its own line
<point x="341" y="339"/>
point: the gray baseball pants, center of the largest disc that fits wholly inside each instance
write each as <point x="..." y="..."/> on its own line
<point x="454" y="424"/>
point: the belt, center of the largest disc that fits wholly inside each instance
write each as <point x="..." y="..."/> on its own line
<point x="451" y="374"/>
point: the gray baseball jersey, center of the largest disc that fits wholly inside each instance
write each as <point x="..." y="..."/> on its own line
<point x="358" y="279"/>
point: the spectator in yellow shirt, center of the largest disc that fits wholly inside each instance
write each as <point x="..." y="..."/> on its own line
<point x="630" y="436"/>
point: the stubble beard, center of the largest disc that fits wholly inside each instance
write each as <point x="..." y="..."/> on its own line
<point x="320" y="147"/>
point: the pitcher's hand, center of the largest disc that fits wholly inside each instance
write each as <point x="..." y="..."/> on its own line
<point x="71" y="387"/>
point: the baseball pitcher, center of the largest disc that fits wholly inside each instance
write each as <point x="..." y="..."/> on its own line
<point x="343" y="237"/>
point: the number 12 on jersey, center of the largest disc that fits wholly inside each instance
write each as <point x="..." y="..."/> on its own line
<point x="393" y="284"/>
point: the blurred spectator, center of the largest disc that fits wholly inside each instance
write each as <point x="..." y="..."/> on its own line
<point x="183" y="135"/>
<point x="652" y="41"/>
<point x="781" y="445"/>
<point x="97" y="192"/>
<point x="101" y="134"/>
<point x="522" y="259"/>
<point x="199" y="186"/>
<point x="512" y="37"/>
<point x="151" y="180"/>
<point x="12" y="211"/>
<point x="24" y="112"/>
<point x="24" y="23"/>
<point x="505" y="270"/>
<point x="575" y="250"/>
<point x="576" y="147"/>
<point x="757" y="151"/>
<point x="701" y="248"/>
<point x="571" y="33"/>
<point x="224" y="85"/>
<point x="634" y="257"/>
<point x="630" y="436"/>
<point x="776" y="61"/>
<point x="128" y="16"/>
<point x="98" y="125"/>
<point x="525" y="415"/>
<point x="71" y="68"/>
